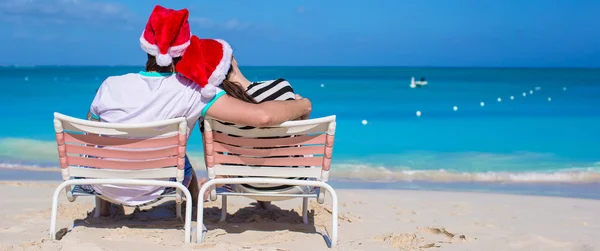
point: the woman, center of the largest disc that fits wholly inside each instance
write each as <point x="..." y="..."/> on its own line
<point x="205" y="55"/>
<point x="158" y="93"/>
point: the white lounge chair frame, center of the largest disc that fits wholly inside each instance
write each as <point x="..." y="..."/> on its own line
<point x="310" y="137"/>
<point x="131" y="154"/>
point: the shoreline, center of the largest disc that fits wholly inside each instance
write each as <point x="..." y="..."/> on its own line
<point x="551" y="189"/>
<point x="375" y="174"/>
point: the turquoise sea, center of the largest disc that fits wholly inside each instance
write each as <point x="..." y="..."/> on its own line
<point x="550" y="135"/>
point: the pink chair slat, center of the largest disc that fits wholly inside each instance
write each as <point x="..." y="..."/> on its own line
<point x="208" y="149"/>
<point x="292" y="141"/>
<point x="329" y="141"/>
<point x="328" y="152"/>
<point x="121" y="142"/>
<point x="60" y="138"/>
<point x="268" y="152"/>
<point x="182" y="139"/>
<point x="284" y="161"/>
<point x="64" y="162"/>
<point x="122" y="165"/>
<point x="62" y="150"/>
<point x="326" y="164"/>
<point x="123" y="154"/>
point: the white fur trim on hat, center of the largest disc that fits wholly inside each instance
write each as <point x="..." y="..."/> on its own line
<point x="152" y="49"/>
<point x="220" y="72"/>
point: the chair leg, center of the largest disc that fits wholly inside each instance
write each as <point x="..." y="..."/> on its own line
<point x="98" y="207"/>
<point x="54" y="211"/>
<point x="334" y="217"/>
<point x="334" y="225"/>
<point x="223" y="208"/>
<point x="178" y="209"/>
<point x="200" y="221"/>
<point x="305" y="210"/>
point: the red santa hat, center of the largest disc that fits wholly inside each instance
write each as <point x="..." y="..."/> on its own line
<point x="206" y="62"/>
<point x="167" y="34"/>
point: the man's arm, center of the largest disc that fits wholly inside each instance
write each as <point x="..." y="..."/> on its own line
<point x="305" y="116"/>
<point x="268" y="113"/>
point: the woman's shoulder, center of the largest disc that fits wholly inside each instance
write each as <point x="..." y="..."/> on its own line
<point x="278" y="89"/>
<point x="268" y="84"/>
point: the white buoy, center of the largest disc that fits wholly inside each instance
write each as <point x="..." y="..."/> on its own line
<point x="537" y="88"/>
<point x="364" y="122"/>
<point x="322" y="85"/>
<point x="564" y="88"/>
<point x="482" y="103"/>
<point x="512" y="97"/>
<point x="524" y="94"/>
<point x="26" y="78"/>
<point x="549" y="99"/>
<point x="418" y="113"/>
<point x="530" y="91"/>
<point x="455" y="108"/>
<point x="499" y="99"/>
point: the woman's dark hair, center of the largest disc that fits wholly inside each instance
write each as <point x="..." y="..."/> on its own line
<point x="236" y="91"/>
<point x="151" y="65"/>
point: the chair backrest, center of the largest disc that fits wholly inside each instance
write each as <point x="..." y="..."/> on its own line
<point x="293" y="149"/>
<point x="107" y="150"/>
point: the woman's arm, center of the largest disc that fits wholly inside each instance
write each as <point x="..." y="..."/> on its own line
<point x="264" y="114"/>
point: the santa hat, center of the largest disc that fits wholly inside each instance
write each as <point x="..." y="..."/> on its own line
<point x="167" y="34"/>
<point x="206" y="62"/>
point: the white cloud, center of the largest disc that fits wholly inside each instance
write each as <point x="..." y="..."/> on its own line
<point x="202" y="22"/>
<point x="60" y="12"/>
<point x="21" y="34"/>
<point x="207" y="23"/>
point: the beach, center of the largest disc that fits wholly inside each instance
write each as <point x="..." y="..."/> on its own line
<point x="369" y="219"/>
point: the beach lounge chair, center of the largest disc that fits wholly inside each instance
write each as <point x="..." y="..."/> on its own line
<point x="275" y="156"/>
<point x="134" y="154"/>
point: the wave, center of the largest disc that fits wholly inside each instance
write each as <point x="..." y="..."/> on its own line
<point x="384" y="174"/>
<point x="367" y="173"/>
<point x="522" y="167"/>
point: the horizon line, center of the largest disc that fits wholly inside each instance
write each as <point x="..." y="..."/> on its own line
<point x="339" y="66"/>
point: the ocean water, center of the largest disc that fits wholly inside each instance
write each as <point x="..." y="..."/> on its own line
<point x="550" y="135"/>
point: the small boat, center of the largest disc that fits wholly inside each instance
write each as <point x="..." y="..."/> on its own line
<point x="415" y="84"/>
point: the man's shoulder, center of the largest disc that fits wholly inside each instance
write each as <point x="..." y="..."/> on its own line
<point x="121" y="78"/>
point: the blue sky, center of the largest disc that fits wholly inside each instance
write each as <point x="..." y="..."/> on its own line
<point x="523" y="33"/>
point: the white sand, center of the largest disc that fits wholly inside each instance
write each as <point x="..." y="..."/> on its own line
<point x="369" y="220"/>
